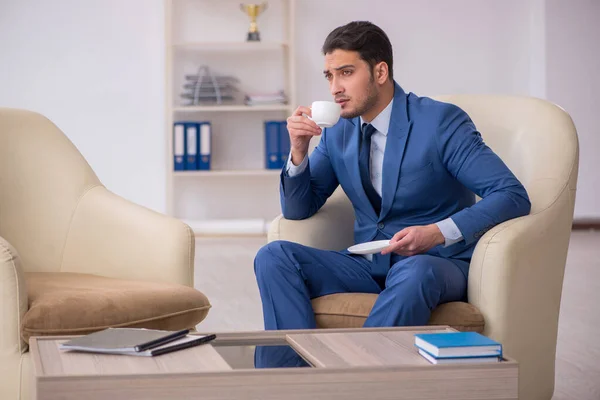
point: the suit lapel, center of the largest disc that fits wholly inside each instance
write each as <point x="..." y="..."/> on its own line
<point x="398" y="133"/>
<point x="351" y="152"/>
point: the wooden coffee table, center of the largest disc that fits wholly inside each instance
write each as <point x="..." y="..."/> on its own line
<point x="373" y="363"/>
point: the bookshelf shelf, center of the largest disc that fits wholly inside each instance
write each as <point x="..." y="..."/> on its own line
<point x="222" y="47"/>
<point x="231" y="108"/>
<point x="232" y="173"/>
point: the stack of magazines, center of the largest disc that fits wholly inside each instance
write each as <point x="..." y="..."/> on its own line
<point x="256" y="99"/>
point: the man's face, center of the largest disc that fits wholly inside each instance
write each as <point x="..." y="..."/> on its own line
<point x="351" y="82"/>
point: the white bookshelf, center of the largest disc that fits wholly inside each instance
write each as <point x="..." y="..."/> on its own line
<point x="238" y="196"/>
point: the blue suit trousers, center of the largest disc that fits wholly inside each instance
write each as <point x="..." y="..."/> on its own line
<point x="289" y="275"/>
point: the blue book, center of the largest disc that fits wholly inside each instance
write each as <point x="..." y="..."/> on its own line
<point x="457" y="360"/>
<point x="179" y="146"/>
<point x="284" y="143"/>
<point x="272" y="157"/>
<point x="458" y="344"/>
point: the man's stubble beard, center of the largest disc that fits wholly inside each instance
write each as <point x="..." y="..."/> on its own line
<point x="370" y="101"/>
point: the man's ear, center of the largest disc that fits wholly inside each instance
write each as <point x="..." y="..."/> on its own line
<point x="381" y="72"/>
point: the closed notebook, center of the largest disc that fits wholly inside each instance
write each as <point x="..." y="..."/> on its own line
<point x="457" y="360"/>
<point x="122" y="340"/>
<point x="458" y="344"/>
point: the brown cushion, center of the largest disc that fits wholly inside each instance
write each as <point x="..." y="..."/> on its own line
<point x="72" y="304"/>
<point x="350" y="310"/>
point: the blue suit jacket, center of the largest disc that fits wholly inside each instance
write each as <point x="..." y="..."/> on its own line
<point x="435" y="161"/>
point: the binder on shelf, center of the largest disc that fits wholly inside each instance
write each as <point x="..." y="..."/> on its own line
<point x="179" y="146"/>
<point x="205" y="148"/>
<point x="284" y="143"/>
<point x="272" y="156"/>
<point x="191" y="146"/>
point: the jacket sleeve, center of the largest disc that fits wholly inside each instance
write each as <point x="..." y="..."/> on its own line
<point x="477" y="167"/>
<point x="304" y="194"/>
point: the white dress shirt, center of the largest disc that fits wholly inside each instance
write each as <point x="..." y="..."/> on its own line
<point x="378" y="140"/>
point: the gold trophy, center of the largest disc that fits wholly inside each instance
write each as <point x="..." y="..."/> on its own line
<point x="253" y="11"/>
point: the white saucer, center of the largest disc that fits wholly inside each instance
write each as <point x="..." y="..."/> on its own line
<point x="324" y="124"/>
<point x="369" y="247"/>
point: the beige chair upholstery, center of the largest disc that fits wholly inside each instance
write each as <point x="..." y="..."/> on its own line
<point x="517" y="269"/>
<point x="57" y="218"/>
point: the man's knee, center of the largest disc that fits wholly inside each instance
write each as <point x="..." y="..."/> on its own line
<point x="415" y="280"/>
<point x="418" y="270"/>
<point x="271" y="256"/>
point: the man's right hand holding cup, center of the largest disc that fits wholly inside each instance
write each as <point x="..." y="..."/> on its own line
<point x="301" y="129"/>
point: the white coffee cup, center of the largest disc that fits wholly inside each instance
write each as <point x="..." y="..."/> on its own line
<point x="325" y="113"/>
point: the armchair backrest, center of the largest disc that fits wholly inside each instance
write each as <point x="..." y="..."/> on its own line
<point x="42" y="178"/>
<point x="535" y="138"/>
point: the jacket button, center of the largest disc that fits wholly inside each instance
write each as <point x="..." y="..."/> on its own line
<point x="381" y="225"/>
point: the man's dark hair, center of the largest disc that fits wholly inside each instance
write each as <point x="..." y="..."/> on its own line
<point x="366" y="38"/>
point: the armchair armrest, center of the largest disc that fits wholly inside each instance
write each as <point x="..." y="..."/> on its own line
<point x="13" y="305"/>
<point x="110" y="236"/>
<point x="331" y="228"/>
<point x="515" y="280"/>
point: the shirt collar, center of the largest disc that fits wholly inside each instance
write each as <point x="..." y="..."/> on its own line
<point x="382" y="121"/>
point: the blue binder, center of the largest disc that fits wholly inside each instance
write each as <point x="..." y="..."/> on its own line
<point x="284" y="143"/>
<point x="205" y="145"/>
<point x="179" y="146"/>
<point x="191" y="146"/>
<point x="272" y="157"/>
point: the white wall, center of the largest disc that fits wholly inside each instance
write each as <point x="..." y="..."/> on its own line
<point x="440" y="47"/>
<point x="573" y="82"/>
<point x="459" y="46"/>
<point x="96" y="69"/>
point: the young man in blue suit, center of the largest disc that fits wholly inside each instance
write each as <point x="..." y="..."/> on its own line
<point x="411" y="167"/>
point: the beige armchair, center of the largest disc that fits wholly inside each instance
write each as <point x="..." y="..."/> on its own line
<point x="74" y="257"/>
<point x="516" y="273"/>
